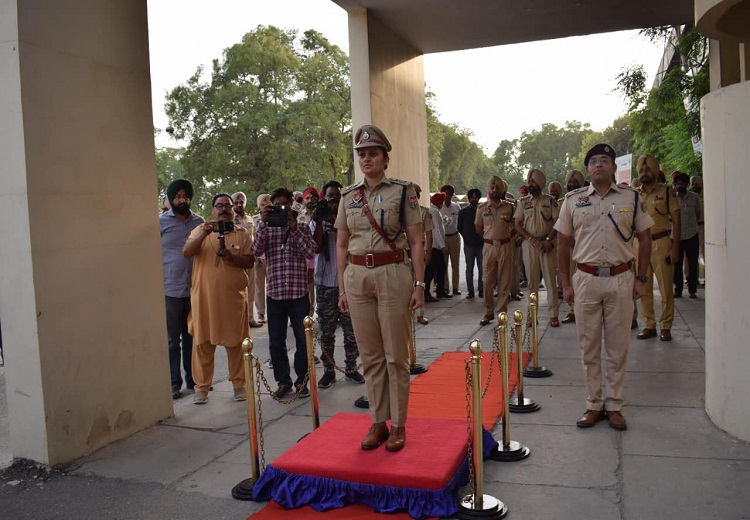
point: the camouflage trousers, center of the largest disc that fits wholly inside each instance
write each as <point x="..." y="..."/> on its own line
<point x="327" y="299"/>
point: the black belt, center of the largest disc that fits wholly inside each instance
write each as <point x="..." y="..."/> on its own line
<point x="660" y="235"/>
<point x="452" y="234"/>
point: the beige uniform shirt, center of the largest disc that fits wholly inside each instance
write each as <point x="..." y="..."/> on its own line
<point x="247" y="223"/>
<point x="497" y="221"/>
<point x="538" y="214"/>
<point x="656" y="205"/>
<point x="426" y="223"/>
<point x="384" y="201"/>
<point x="585" y="216"/>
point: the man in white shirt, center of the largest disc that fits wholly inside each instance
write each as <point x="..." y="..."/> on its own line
<point x="436" y="268"/>
<point x="449" y="211"/>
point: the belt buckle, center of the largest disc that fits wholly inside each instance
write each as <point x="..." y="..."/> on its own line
<point x="369" y="260"/>
<point x="497" y="242"/>
<point x="603" y="271"/>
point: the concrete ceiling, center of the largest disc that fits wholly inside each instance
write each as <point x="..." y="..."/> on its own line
<point x="450" y="25"/>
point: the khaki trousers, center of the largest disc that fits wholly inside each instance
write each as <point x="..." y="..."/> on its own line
<point x="515" y="276"/>
<point x="251" y="292"/>
<point x="454" y="250"/>
<point x="203" y="366"/>
<point x="537" y="261"/>
<point x="260" y="286"/>
<point x="497" y="264"/>
<point x="665" y="278"/>
<point x="603" y="304"/>
<point x="379" y="306"/>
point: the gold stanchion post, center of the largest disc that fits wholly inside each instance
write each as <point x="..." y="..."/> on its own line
<point x="535" y="370"/>
<point x="244" y="490"/>
<point x="519" y="403"/>
<point x="509" y="450"/>
<point x="479" y="505"/>
<point x="308" y="322"/>
<point x="414" y="367"/>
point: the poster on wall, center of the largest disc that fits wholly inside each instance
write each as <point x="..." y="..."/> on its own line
<point x="624" y="168"/>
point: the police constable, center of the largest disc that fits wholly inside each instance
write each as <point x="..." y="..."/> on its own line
<point x="379" y="288"/>
<point x="573" y="181"/>
<point x="494" y="223"/>
<point x="664" y="208"/>
<point x="535" y="215"/>
<point x="599" y="223"/>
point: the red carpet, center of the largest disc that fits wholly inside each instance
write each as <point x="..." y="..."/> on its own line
<point x="328" y="469"/>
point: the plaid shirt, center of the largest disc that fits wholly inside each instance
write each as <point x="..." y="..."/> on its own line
<point x="286" y="264"/>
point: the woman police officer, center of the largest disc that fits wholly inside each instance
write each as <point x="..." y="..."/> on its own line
<point x="378" y="287"/>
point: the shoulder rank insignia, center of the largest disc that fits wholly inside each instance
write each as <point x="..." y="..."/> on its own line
<point x="357" y="200"/>
<point x="583" y="201"/>
<point x="351" y="187"/>
<point x="413" y="202"/>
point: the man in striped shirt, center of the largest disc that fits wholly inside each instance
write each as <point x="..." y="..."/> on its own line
<point x="287" y="250"/>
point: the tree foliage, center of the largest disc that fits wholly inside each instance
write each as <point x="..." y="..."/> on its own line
<point x="619" y="135"/>
<point x="665" y="119"/>
<point x="275" y="111"/>
<point x="552" y="148"/>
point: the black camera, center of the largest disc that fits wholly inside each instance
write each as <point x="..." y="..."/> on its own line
<point x="223" y="226"/>
<point x="323" y="210"/>
<point x="277" y="216"/>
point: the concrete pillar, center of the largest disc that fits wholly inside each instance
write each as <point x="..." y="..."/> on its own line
<point x="387" y="85"/>
<point x="81" y="288"/>
<point x="724" y="63"/>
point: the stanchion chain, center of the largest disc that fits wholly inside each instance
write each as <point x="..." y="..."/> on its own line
<point x="296" y="396"/>
<point x="495" y="354"/>
<point x="526" y="336"/>
<point x="259" y="407"/>
<point x="469" y="425"/>
<point x="324" y="356"/>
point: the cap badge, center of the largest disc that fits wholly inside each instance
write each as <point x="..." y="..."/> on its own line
<point x="606" y="149"/>
<point x="365" y="136"/>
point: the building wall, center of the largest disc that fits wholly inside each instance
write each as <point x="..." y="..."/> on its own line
<point x="83" y="305"/>
<point x="388" y="91"/>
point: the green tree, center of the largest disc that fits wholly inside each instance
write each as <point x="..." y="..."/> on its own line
<point x="619" y="135"/>
<point x="275" y="112"/>
<point x="552" y="148"/>
<point x="505" y="164"/>
<point x="665" y="119"/>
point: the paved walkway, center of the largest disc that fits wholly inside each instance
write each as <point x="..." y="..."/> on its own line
<point x="672" y="462"/>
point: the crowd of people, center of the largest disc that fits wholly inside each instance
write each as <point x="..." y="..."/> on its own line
<point x="369" y="255"/>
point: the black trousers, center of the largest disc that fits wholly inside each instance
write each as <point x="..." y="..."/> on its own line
<point x="436" y="270"/>
<point x="688" y="248"/>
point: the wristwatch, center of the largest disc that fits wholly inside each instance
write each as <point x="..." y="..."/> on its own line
<point x="420" y="284"/>
<point x="642" y="278"/>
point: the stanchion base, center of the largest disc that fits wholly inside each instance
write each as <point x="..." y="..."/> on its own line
<point x="513" y="452"/>
<point x="525" y="406"/>
<point x="537" y="372"/>
<point x="362" y="402"/>
<point x="489" y="508"/>
<point x="244" y="490"/>
<point x="416" y="368"/>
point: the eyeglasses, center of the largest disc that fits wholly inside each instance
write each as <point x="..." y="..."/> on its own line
<point x="600" y="160"/>
<point x="333" y="199"/>
<point x="223" y="206"/>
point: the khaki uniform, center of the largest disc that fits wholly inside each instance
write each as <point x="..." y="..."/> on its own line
<point x="426" y="226"/>
<point x="572" y="269"/>
<point x="379" y="296"/>
<point x="656" y="204"/>
<point x="538" y="215"/>
<point x="603" y="303"/>
<point x="247" y="223"/>
<point x="497" y="256"/>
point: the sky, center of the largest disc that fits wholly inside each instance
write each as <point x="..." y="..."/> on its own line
<point x="495" y="93"/>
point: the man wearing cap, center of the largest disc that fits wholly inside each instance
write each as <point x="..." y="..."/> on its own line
<point x="573" y="180"/>
<point x="246" y="222"/>
<point x="690" y="214"/>
<point x="176" y="225"/>
<point x="377" y="218"/>
<point x="449" y="211"/>
<point x="534" y="219"/>
<point x="218" y="297"/>
<point x="435" y="270"/>
<point x="598" y="223"/>
<point x="473" y="243"/>
<point x="427" y="228"/>
<point x="494" y="223"/>
<point x="664" y="209"/>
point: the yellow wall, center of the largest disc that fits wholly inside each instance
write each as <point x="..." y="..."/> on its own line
<point x="83" y="302"/>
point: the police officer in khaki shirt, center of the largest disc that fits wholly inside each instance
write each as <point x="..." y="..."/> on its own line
<point x="573" y="181"/>
<point x="599" y="223"/>
<point x="535" y="215"/>
<point x="494" y="222"/>
<point x="378" y="287"/>
<point x="662" y="207"/>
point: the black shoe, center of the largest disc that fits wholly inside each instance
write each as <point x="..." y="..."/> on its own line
<point x="481" y="294"/>
<point x="470" y="296"/>
<point x="430" y="298"/>
<point x="282" y="390"/>
<point x="327" y="380"/>
<point x="302" y="391"/>
<point x="355" y="377"/>
<point x="445" y="295"/>
<point x="456" y="293"/>
<point x="524" y="283"/>
<point x="176" y="394"/>
<point x="678" y="294"/>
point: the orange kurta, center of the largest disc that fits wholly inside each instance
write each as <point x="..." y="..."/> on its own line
<point x="220" y="314"/>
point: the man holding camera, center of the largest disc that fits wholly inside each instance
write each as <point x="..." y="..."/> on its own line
<point x="327" y="289"/>
<point x="287" y="245"/>
<point x="220" y="314"/>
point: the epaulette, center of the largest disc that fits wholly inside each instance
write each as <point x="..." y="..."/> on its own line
<point x="627" y="187"/>
<point x="525" y="197"/>
<point x="351" y="187"/>
<point x="400" y="181"/>
<point x="578" y="191"/>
